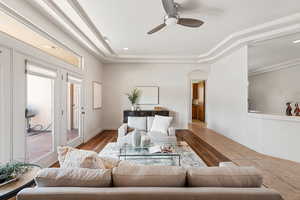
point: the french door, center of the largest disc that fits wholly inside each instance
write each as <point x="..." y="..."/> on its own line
<point x="73" y="109"/>
<point x="53" y="113"/>
<point x="41" y="113"/>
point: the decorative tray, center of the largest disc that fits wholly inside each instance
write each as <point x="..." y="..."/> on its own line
<point x="7" y="182"/>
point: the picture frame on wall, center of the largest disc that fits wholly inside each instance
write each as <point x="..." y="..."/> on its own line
<point x="149" y="95"/>
<point x="97" y="95"/>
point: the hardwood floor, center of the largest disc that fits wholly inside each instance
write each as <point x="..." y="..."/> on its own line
<point x="205" y="151"/>
<point x="279" y="174"/>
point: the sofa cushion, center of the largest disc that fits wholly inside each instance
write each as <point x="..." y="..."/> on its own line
<point x="156" y="134"/>
<point x="74" y="158"/>
<point x="148" y="176"/>
<point x="149" y="123"/>
<point x="76" y="177"/>
<point x="237" y="177"/>
<point x="161" y="124"/>
<point x="139" y="123"/>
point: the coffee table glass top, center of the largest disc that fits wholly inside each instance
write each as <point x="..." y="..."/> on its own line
<point x="144" y="155"/>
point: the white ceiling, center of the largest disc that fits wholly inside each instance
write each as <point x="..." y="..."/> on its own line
<point x="274" y="51"/>
<point x="126" y="22"/>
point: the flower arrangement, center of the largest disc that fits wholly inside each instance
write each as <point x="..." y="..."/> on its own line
<point x="133" y="97"/>
<point x="11" y="171"/>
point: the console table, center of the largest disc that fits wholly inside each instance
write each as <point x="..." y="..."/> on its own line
<point x="143" y="113"/>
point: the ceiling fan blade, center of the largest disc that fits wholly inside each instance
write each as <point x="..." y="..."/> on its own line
<point x="194" y="23"/>
<point x="170" y="7"/>
<point x="158" y="28"/>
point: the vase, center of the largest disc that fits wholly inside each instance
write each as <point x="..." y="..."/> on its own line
<point x="133" y="108"/>
<point x="145" y="140"/>
<point x="136" y="138"/>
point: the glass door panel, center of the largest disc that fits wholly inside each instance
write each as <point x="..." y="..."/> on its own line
<point x="74" y="109"/>
<point x="39" y="115"/>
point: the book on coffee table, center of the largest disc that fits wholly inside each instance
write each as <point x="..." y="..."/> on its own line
<point x="154" y="149"/>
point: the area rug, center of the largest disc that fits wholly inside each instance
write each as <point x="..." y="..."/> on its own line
<point x="188" y="157"/>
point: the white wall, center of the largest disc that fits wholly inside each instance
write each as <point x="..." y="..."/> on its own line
<point x="273" y="135"/>
<point x="91" y="72"/>
<point x="269" y="92"/>
<point x="227" y="95"/>
<point x="227" y="111"/>
<point x="5" y="105"/>
<point x="173" y="80"/>
<point x="93" y="118"/>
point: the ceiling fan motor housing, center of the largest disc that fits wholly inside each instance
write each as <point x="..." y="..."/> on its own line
<point x="171" y="20"/>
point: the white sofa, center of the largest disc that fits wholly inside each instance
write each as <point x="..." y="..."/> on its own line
<point x="144" y="124"/>
<point x="129" y="182"/>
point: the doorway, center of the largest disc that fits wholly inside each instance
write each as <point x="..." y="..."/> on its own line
<point x="73" y="120"/>
<point x="73" y="105"/>
<point x="198" y="102"/>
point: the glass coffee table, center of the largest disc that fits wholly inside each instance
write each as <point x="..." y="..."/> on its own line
<point x="142" y="155"/>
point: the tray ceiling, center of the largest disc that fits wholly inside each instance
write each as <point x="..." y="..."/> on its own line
<point x="113" y="25"/>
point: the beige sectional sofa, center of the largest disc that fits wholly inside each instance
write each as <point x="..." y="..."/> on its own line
<point x="127" y="182"/>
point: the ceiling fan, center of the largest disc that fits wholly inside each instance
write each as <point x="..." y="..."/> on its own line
<point x="173" y="17"/>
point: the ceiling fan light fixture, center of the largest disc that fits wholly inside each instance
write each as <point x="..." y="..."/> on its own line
<point x="172" y="17"/>
<point x="169" y="21"/>
<point x="106" y="39"/>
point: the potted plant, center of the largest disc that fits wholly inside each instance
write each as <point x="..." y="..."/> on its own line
<point x="133" y="97"/>
<point x="11" y="171"/>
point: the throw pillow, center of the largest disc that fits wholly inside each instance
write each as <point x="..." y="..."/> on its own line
<point x="161" y="124"/>
<point x="109" y="163"/>
<point x="74" y="158"/>
<point x="62" y="152"/>
<point x="138" y="123"/>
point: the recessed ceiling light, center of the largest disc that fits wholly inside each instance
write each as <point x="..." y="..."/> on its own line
<point x="125" y="48"/>
<point x="106" y="39"/>
<point x="297" y="41"/>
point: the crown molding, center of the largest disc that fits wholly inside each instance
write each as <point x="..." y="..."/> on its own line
<point x="275" y="28"/>
<point x="276" y="67"/>
<point x="66" y="20"/>
<point x="86" y="19"/>
<point x="70" y="23"/>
